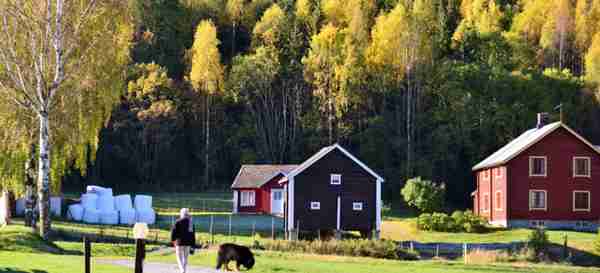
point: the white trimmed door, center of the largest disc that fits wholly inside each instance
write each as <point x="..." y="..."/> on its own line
<point x="276" y="201"/>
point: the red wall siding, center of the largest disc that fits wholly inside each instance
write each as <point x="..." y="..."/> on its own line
<point x="560" y="147"/>
<point x="489" y="185"/>
<point x="262" y="197"/>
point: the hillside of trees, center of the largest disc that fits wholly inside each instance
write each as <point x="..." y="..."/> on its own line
<point x="186" y="91"/>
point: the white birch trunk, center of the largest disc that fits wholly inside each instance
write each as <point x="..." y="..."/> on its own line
<point x="44" y="176"/>
<point x="207" y="142"/>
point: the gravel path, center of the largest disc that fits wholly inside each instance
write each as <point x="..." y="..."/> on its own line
<point x="150" y="267"/>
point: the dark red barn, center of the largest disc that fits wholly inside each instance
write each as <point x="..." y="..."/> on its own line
<point x="256" y="189"/>
<point x="547" y="176"/>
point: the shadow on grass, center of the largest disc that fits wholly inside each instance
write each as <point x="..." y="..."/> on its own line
<point x="14" y="270"/>
<point x="575" y="256"/>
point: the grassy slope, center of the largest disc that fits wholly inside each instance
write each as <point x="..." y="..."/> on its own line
<point x="288" y="262"/>
<point x="404" y="229"/>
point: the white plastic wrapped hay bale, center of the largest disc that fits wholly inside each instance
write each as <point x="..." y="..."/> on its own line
<point x="89" y="200"/>
<point x="56" y="206"/>
<point x="75" y="212"/>
<point x="147" y="216"/>
<point x="109" y="217"/>
<point x="143" y="202"/>
<point x="127" y="217"/>
<point x="20" y="207"/>
<point x="123" y="202"/>
<point x="91" y="216"/>
<point x="105" y="203"/>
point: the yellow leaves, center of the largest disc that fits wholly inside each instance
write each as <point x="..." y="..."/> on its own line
<point x="303" y="9"/>
<point x="207" y="72"/>
<point x="592" y="61"/>
<point x="482" y="16"/>
<point x="530" y="21"/>
<point x="234" y="10"/>
<point x="334" y="11"/>
<point x="587" y="22"/>
<point x="153" y="77"/>
<point x="390" y="39"/>
<point x="270" y="24"/>
<point x="124" y="42"/>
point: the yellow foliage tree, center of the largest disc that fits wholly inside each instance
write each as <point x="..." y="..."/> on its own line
<point x="269" y="27"/>
<point x="592" y="61"/>
<point x="482" y="16"/>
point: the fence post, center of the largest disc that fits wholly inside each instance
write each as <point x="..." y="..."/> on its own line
<point x="211" y="230"/>
<point x="272" y="228"/>
<point x="412" y="247"/>
<point x="437" y="250"/>
<point x="254" y="230"/>
<point x="87" y="246"/>
<point x="465" y="252"/>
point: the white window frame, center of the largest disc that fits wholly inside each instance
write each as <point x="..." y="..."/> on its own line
<point x="335" y="177"/>
<point x="247" y="198"/>
<point x="531" y="192"/>
<point x="486" y="205"/>
<point x="496" y="203"/>
<point x="357" y="206"/>
<point x="589" y="166"/>
<point x="589" y="206"/>
<point x="532" y="159"/>
<point x="315" y="205"/>
<point x="498" y="172"/>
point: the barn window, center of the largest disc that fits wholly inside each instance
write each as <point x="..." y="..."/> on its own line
<point x="537" y="166"/>
<point x="315" y="205"/>
<point x="486" y="202"/>
<point x="357" y="206"/>
<point x="537" y="200"/>
<point x="581" y="166"/>
<point x="581" y="201"/>
<point x="336" y="179"/>
<point x="247" y="199"/>
<point x="498" y="200"/>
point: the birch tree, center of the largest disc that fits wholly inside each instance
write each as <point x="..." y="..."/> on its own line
<point x="41" y="47"/>
<point x="206" y="75"/>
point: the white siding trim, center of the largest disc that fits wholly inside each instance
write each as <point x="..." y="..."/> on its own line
<point x="589" y="166"/>
<point x="339" y="212"/>
<point x="291" y="204"/>
<point x="235" y="201"/>
<point x="378" y="205"/>
<point x="589" y="201"/>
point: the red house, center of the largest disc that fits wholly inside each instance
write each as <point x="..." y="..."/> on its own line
<point x="256" y="189"/>
<point x="547" y="176"/>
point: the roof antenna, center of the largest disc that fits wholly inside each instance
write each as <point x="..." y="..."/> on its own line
<point x="560" y="107"/>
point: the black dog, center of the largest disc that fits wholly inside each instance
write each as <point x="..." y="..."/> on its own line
<point x="232" y="252"/>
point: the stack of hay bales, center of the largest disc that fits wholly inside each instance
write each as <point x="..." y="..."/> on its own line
<point x="143" y="209"/>
<point x="91" y="214"/>
<point x="125" y="209"/>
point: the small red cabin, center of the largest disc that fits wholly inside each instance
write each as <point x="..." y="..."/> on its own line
<point x="256" y="189"/>
<point x="547" y="176"/>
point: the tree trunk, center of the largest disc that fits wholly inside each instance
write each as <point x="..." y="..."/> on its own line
<point x="30" y="188"/>
<point x="207" y="142"/>
<point x="330" y="118"/>
<point x="44" y="176"/>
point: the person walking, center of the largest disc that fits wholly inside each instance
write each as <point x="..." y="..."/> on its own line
<point x="183" y="238"/>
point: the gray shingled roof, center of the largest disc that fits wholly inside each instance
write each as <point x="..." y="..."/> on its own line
<point x="254" y="176"/>
<point x="522" y="142"/>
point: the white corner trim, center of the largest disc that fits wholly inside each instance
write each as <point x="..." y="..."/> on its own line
<point x="339" y="213"/>
<point x="316" y="157"/>
<point x="589" y="201"/>
<point x="290" y="204"/>
<point x="378" y="205"/>
<point x="235" y="201"/>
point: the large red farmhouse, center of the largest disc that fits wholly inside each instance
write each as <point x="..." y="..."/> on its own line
<point x="547" y="176"/>
<point x="256" y="189"/>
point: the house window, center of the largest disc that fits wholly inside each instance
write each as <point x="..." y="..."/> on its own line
<point x="357" y="206"/>
<point x="277" y="195"/>
<point x="581" y="166"/>
<point x="315" y="205"/>
<point x="498" y="200"/>
<point x="537" y="200"/>
<point x="247" y="199"/>
<point x="336" y="179"/>
<point x="486" y="202"/>
<point x="498" y="172"/>
<point x="537" y="166"/>
<point x="581" y="201"/>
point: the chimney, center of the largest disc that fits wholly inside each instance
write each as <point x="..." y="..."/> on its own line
<point x="542" y="120"/>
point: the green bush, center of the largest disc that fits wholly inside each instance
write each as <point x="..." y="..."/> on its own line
<point x="459" y="222"/>
<point x="424" y="195"/>
<point x="360" y="248"/>
<point x="538" y="242"/>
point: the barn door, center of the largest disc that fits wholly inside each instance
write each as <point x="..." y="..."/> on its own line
<point x="276" y="201"/>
